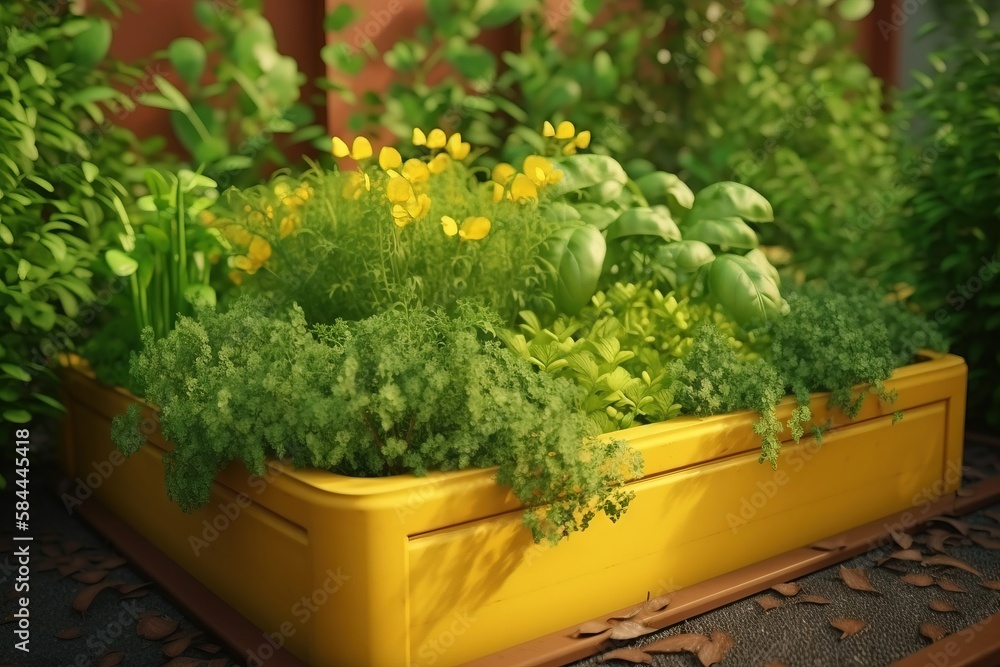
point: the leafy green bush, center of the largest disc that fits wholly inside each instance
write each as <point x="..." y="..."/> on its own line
<point x="401" y="391"/>
<point x="59" y="164"/>
<point x="952" y="217"/>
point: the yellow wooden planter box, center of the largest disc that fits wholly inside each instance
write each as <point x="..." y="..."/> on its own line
<point x="439" y="570"/>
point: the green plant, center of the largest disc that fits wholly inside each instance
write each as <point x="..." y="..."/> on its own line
<point x="401" y="391"/>
<point x="951" y="219"/>
<point x="60" y="162"/>
<point x="227" y="110"/>
<point x="167" y="259"/>
<point x="620" y="348"/>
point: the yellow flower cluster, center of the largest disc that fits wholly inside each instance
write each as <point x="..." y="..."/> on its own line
<point x="520" y="187"/>
<point x="436" y="139"/>
<point x="566" y="131"/>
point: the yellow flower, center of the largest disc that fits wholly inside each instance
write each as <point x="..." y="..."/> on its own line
<point x="304" y="191"/>
<point x="449" y="225"/>
<point x="357" y="184"/>
<point x="289" y="224"/>
<point x="398" y="190"/>
<point x="523" y="189"/>
<point x="415" y="171"/>
<point x="207" y="217"/>
<point x="259" y="251"/>
<point x="457" y="148"/>
<point x="401" y="216"/>
<point x="548" y="130"/>
<point x="541" y="171"/>
<point x="498" y="192"/>
<point x="503" y="173"/>
<point x="236" y="277"/>
<point x="566" y="130"/>
<point x="422" y="208"/>
<point x="474" y="228"/>
<point x="439" y="163"/>
<point x="281" y="190"/>
<point x="583" y="139"/>
<point x="569" y="149"/>
<point x="419" y="138"/>
<point x="243" y="263"/>
<point x="361" y="149"/>
<point x="238" y="235"/>
<point x="436" y="139"/>
<point x="389" y="158"/>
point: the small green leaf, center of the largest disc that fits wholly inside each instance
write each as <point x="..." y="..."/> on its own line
<point x="744" y="290"/>
<point x="339" y="17"/>
<point x="90" y="171"/>
<point x="17" y="416"/>
<point x="200" y="296"/>
<point x="688" y="256"/>
<point x="22" y="268"/>
<point x="659" y="187"/>
<point x="37" y="71"/>
<point x="584" y="171"/>
<point x="855" y="10"/>
<point x="89" y="47"/>
<point x="727" y="233"/>
<point x="188" y="58"/>
<point x="15" y="372"/>
<point x="120" y="263"/>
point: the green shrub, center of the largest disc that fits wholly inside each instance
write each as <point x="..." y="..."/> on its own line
<point x="952" y="218"/>
<point x="60" y="161"/>
<point x="401" y="391"/>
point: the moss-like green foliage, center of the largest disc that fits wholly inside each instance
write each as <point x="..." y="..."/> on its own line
<point x="126" y="432"/>
<point x="402" y="391"/>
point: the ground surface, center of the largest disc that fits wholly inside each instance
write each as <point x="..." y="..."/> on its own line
<point x="70" y="562"/>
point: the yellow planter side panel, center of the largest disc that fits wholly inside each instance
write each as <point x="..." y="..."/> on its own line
<point x="483" y="586"/>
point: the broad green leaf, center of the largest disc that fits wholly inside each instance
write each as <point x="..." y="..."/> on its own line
<point x="495" y="13"/>
<point x="561" y="212"/>
<point x="746" y="292"/>
<point x="644" y="222"/>
<point x="120" y="263"/>
<point x="188" y="58"/>
<point x="596" y="215"/>
<point x="726" y="199"/>
<point x="727" y="233"/>
<point x="659" y="187"/>
<point x="339" y="17"/>
<point x="89" y="47"/>
<point x="575" y="256"/>
<point x="472" y="61"/>
<point x="760" y="259"/>
<point x="584" y="171"/>
<point x="687" y="256"/>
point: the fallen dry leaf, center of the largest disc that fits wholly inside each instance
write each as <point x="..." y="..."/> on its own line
<point x="985" y="542"/>
<point x="174" y="648"/>
<point x="995" y="585"/>
<point x="937" y="541"/>
<point x="209" y="648"/>
<point x="788" y="590"/>
<point x="69" y="633"/>
<point x="904" y="540"/>
<point x="918" y="579"/>
<point x="155" y="627"/>
<point x="645" y="609"/>
<point x="71" y="547"/>
<point x="856" y="579"/>
<point x="51" y="550"/>
<point x="630" y="630"/>
<point x="74" y="565"/>
<point x="768" y="602"/>
<point x="848" y="626"/>
<point x="689" y="642"/>
<point x="913" y="555"/>
<point x="932" y="631"/>
<point x="96" y="557"/>
<point x="942" y="606"/>
<point x="111" y="659"/>
<point x="194" y="662"/>
<point x="112" y="563"/>
<point x="993" y="514"/>
<point x="948" y="561"/>
<point x="965" y="493"/>
<point x="992" y="530"/>
<point x="90" y="576"/>
<point x="814" y="599"/>
<point x="775" y="664"/>
<point x="634" y="655"/>
<point x="959" y="525"/>
<point x="136" y="594"/>
<point x="949" y="585"/>
<point x="974" y="473"/>
<point x="592" y="628"/>
<point x="129" y="588"/>
<point x="715" y="650"/>
<point x="87" y="594"/>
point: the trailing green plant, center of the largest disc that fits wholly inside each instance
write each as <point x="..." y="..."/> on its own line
<point x="952" y="217"/>
<point x="401" y="391"/>
<point x="168" y="256"/>
<point x="227" y="110"/>
<point x="60" y="165"/>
